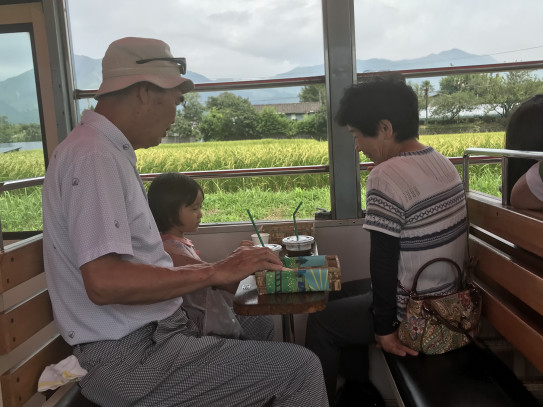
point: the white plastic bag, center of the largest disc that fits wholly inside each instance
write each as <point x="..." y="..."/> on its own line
<point x="219" y="319"/>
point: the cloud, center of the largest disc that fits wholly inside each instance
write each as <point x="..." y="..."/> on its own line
<point x="236" y="38"/>
<point x="395" y="29"/>
<point x="245" y="39"/>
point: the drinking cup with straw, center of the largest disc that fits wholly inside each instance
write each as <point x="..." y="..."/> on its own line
<point x="294" y="220"/>
<point x="256" y="230"/>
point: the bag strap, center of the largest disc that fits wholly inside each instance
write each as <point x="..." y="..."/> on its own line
<point x="453" y="327"/>
<point x="425" y="265"/>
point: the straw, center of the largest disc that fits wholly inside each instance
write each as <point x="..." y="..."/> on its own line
<point x="256" y="230"/>
<point x="294" y="219"/>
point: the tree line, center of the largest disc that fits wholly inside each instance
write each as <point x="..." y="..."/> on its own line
<point x="231" y="117"/>
<point x="15" y="133"/>
<point x="493" y="94"/>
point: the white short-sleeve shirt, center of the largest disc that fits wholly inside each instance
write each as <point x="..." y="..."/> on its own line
<point x="534" y="180"/>
<point x="94" y="203"/>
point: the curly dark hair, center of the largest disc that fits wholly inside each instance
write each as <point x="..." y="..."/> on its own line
<point x="385" y="97"/>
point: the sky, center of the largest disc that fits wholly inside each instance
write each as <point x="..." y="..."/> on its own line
<point x="251" y="39"/>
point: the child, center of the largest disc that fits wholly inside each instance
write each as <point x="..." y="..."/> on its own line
<point x="176" y="200"/>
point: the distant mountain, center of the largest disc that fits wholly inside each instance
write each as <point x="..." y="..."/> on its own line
<point x="453" y="57"/>
<point x="18" y="94"/>
<point x="18" y="98"/>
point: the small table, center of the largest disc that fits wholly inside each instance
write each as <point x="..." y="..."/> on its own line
<point x="248" y="302"/>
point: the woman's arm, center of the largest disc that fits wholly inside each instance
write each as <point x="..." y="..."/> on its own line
<point x="384" y="256"/>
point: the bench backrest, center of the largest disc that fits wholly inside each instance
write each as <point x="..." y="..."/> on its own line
<point x="29" y="340"/>
<point x="509" y="246"/>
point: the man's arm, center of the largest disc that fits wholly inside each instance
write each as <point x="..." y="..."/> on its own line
<point x="110" y="280"/>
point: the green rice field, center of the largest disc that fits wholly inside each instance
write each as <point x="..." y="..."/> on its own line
<point x="227" y="200"/>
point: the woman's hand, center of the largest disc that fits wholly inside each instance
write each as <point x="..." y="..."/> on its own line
<point x="392" y="344"/>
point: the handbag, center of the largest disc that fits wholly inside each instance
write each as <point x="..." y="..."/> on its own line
<point x="436" y="324"/>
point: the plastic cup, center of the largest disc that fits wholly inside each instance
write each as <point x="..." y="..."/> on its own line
<point x="300" y="246"/>
<point x="265" y="238"/>
<point x="276" y="248"/>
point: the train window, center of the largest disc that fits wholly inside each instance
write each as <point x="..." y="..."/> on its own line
<point x="467" y="99"/>
<point x="232" y="127"/>
<point x="20" y="130"/>
<point x="22" y="146"/>
<point x="396" y="35"/>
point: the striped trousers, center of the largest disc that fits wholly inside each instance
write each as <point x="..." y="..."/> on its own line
<point x="168" y="363"/>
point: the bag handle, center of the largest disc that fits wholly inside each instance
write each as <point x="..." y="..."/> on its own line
<point x="425" y="265"/>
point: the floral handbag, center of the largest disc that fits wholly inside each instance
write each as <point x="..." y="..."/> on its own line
<point x="438" y="324"/>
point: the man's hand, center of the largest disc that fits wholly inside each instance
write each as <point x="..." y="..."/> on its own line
<point x="391" y="344"/>
<point x="245" y="260"/>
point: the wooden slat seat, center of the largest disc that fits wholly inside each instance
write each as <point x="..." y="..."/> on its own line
<point x="29" y="340"/>
<point x="508" y="244"/>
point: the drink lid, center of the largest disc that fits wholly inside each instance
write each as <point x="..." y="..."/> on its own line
<point x="302" y="239"/>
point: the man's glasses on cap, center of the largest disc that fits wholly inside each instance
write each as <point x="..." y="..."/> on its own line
<point x="181" y="62"/>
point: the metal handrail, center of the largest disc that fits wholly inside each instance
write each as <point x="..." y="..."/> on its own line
<point x="498" y="152"/>
<point x="238" y="173"/>
<point x="247" y="172"/>
<point x="312" y="80"/>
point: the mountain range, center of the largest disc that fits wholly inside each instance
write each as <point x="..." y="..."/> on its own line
<point x="18" y="101"/>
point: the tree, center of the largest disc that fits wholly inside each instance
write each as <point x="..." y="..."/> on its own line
<point x="6" y="130"/>
<point x="423" y="91"/>
<point x="188" y="119"/>
<point x="30" y="132"/>
<point x="315" y="125"/>
<point x="229" y="117"/>
<point x="272" y="124"/>
<point x="457" y="94"/>
<point x="504" y="93"/>
<point x="450" y="106"/>
<point x="313" y="93"/>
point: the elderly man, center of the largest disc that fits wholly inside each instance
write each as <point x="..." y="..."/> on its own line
<point x="116" y="296"/>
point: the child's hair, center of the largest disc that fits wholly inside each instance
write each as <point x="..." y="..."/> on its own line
<point x="167" y="193"/>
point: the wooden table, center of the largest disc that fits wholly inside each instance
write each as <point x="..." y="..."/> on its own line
<point x="248" y="302"/>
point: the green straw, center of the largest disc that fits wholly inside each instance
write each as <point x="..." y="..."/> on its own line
<point x="294" y="219"/>
<point x="256" y="230"/>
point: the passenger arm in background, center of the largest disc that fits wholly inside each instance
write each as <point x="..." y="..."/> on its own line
<point x="523" y="198"/>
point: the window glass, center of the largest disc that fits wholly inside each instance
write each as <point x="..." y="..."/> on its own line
<point x="228" y="41"/>
<point x="395" y="34"/>
<point x="21" y="148"/>
<point x="20" y="131"/>
<point x="459" y="110"/>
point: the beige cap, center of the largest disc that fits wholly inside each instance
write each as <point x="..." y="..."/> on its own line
<point x="131" y="60"/>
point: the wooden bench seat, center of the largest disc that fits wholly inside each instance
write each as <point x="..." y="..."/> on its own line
<point x="509" y="247"/>
<point x="29" y="340"/>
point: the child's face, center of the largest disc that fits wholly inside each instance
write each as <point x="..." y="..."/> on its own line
<point x="190" y="216"/>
